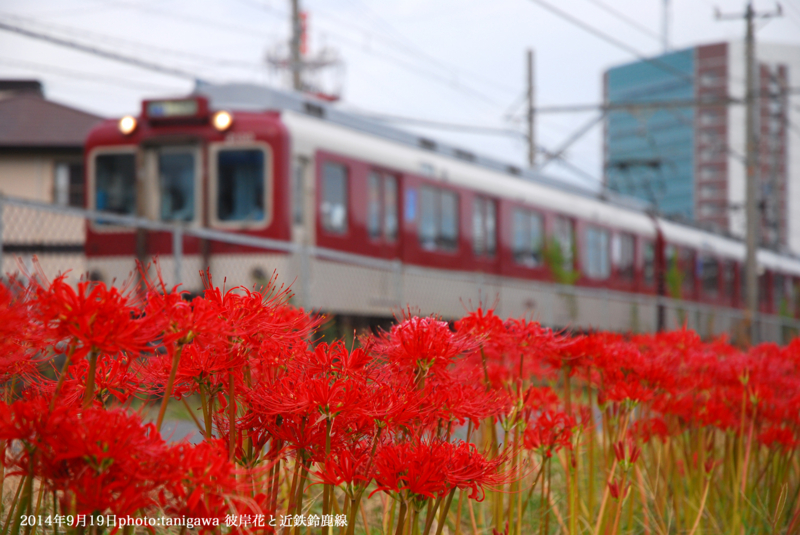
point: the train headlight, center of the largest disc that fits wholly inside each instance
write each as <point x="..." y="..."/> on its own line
<point x="127" y="125"/>
<point x="222" y="120"/>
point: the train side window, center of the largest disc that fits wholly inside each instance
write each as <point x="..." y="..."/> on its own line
<point x="115" y="183"/>
<point x="390" y="201"/>
<point x="779" y="294"/>
<point x="374" y="205"/>
<point x="484" y="225"/>
<point x="449" y="220"/>
<point x="623" y="247"/>
<point x="334" y="198"/>
<point x="564" y="237"/>
<point x="438" y="224"/>
<point x="596" y="261"/>
<point x="527" y="237"/>
<point x="709" y="275"/>
<point x="382" y="206"/>
<point x="688" y="266"/>
<point x="649" y="267"/>
<point x="427" y="217"/>
<point x="729" y="278"/>
<point x="241" y="185"/>
<point x="176" y="178"/>
<point x="491" y="228"/>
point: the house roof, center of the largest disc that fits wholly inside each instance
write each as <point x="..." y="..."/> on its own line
<point x="28" y="121"/>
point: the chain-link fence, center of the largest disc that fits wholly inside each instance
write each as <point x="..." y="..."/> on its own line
<point x="333" y="281"/>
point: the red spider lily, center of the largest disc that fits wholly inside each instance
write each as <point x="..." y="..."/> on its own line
<point x="113" y="379"/>
<point x="549" y="432"/>
<point x="104" y="460"/>
<point x="16" y="351"/>
<point x="336" y="360"/>
<point x="457" y="402"/>
<point x="616" y="489"/>
<point x="346" y="466"/>
<point x="423" y="345"/>
<point x="626" y="456"/>
<point x="94" y="317"/>
<point x="417" y="467"/>
<point x="203" y="482"/>
<point x="429" y="468"/>
<point x="645" y="430"/>
<point x="469" y="469"/>
<point x="778" y="436"/>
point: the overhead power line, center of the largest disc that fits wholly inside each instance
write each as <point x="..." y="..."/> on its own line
<point x="624" y="18"/>
<point x="83" y="35"/>
<point x="612" y="40"/>
<point x="108" y="54"/>
<point x="83" y="75"/>
<point x="434" y="74"/>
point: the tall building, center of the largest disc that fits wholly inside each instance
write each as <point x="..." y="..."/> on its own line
<point x="687" y="157"/>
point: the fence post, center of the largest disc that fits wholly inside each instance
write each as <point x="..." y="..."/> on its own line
<point x="177" y="253"/>
<point x="305" y="276"/>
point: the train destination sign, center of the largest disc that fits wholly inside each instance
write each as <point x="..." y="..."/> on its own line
<point x="171" y="108"/>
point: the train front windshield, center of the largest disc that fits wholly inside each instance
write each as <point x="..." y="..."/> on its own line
<point x="115" y="183"/>
<point x="172" y="190"/>
<point x="176" y="180"/>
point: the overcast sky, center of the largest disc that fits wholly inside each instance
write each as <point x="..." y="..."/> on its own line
<point x="454" y="61"/>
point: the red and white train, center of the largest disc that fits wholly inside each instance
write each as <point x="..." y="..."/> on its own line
<point x="443" y="226"/>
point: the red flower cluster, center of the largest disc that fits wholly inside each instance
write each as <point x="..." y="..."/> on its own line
<point x="279" y="413"/>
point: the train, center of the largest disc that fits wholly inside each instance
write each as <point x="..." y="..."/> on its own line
<point x="416" y="222"/>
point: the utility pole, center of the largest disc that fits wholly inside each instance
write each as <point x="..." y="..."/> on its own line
<point x="295" y="56"/>
<point x="751" y="164"/>
<point x="665" y="26"/>
<point x="531" y="113"/>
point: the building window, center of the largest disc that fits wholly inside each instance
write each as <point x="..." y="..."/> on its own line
<point x="528" y="229"/>
<point x="438" y="224"/>
<point x="596" y="264"/>
<point x="176" y="178"/>
<point x="711" y="191"/>
<point x="68" y="184"/>
<point x="484" y="227"/>
<point x="710" y="79"/>
<point x="709" y="137"/>
<point x="622" y="249"/>
<point x="709" y="173"/>
<point x="334" y="198"/>
<point x="241" y="185"/>
<point x="115" y="183"/>
<point x="710" y="117"/>
<point x="382" y="206"/>
<point x="711" y="210"/>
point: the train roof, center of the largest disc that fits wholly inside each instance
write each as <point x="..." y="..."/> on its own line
<point x="628" y="213"/>
<point x="252" y="97"/>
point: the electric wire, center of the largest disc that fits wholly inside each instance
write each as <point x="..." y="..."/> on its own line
<point x="624" y="18"/>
